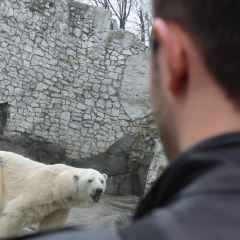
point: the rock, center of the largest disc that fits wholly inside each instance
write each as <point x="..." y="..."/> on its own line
<point x="34" y="148"/>
<point x="116" y="165"/>
<point x="123" y="146"/>
<point x="104" y="163"/>
<point x="22" y="140"/>
<point x="134" y="97"/>
<point x="7" y="144"/>
<point x="48" y="153"/>
<point x="147" y="159"/>
<point x="136" y="186"/>
<point x="158" y="164"/>
<point x="119" y="185"/>
<point x="142" y="173"/>
<point x="125" y="186"/>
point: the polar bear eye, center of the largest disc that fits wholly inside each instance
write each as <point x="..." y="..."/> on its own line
<point x="90" y="180"/>
<point x="102" y="181"/>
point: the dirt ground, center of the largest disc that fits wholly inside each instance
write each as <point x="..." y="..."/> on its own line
<point x="111" y="212"/>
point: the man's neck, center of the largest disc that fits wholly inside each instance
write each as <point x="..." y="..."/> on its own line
<point x="209" y="114"/>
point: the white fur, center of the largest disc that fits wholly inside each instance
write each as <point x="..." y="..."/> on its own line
<point x="32" y="192"/>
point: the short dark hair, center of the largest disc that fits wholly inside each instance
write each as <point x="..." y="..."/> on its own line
<point x="214" y="26"/>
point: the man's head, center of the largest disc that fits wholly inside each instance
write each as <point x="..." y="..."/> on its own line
<point x="195" y="79"/>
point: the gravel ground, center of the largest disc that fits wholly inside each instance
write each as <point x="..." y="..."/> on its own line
<point x="111" y="212"/>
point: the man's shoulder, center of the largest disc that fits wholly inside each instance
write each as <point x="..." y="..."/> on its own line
<point x="195" y="216"/>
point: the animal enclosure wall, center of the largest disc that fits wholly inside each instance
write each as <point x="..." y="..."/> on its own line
<point x="68" y="78"/>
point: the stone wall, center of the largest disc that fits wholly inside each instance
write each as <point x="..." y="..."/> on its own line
<point x="67" y="77"/>
<point x="76" y="92"/>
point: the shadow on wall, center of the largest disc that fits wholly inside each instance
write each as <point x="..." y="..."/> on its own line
<point x="3" y="116"/>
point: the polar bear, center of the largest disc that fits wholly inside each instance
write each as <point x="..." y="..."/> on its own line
<point x="32" y="192"/>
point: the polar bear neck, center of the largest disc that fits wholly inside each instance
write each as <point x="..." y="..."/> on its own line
<point x="65" y="189"/>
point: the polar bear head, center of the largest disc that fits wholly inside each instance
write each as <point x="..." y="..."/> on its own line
<point x="91" y="185"/>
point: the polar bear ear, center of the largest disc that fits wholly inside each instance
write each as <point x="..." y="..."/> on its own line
<point x="105" y="176"/>
<point x="75" y="177"/>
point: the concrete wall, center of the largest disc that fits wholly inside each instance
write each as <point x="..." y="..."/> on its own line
<point x="67" y="77"/>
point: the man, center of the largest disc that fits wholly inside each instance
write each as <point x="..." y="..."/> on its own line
<point x="195" y="92"/>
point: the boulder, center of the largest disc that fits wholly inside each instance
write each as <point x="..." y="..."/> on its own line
<point x="34" y="148"/>
<point x="122" y="147"/>
<point x="105" y="163"/>
<point x="50" y="153"/>
<point x="119" y="185"/>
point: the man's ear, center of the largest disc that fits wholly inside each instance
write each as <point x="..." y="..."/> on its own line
<point x="168" y="37"/>
<point x="105" y="176"/>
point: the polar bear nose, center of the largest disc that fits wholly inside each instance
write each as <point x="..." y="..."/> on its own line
<point x="99" y="191"/>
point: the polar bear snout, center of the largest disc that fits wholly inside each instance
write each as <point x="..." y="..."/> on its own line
<point x="97" y="194"/>
<point x="99" y="191"/>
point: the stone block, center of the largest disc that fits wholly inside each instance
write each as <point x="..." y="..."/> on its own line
<point x="66" y="116"/>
